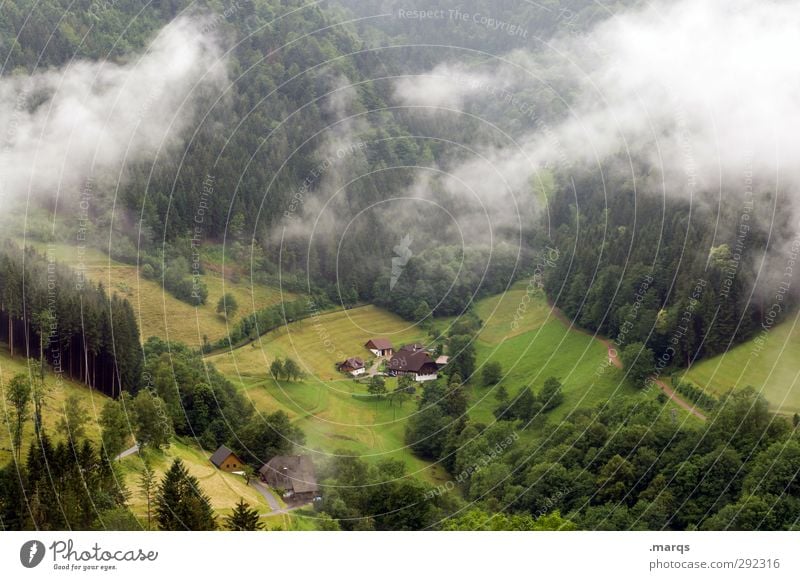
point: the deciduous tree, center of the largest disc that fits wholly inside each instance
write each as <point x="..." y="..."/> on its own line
<point x="227" y="305"/>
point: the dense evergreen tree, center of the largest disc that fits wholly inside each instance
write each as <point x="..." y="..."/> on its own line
<point x="180" y="502"/>
<point x="461" y="349"/>
<point x="65" y="487"/>
<point x="479" y="520"/>
<point x="551" y="395"/>
<point x="147" y="489"/>
<point x="260" y="440"/>
<point x="91" y="337"/>
<point x="492" y="373"/>
<point x="639" y="363"/>
<point x="196" y="398"/>
<point x="375" y="497"/>
<point x="18" y="397"/>
<point x="116" y="430"/>
<point x="243" y="518"/>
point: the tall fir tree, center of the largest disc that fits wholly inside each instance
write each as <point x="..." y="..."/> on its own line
<point x="244" y="518"/>
<point x="181" y="503"/>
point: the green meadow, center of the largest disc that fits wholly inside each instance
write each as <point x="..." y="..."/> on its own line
<point x="530" y="343"/>
<point x="157" y="311"/>
<point x="769" y="362"/>
<point x="523" y="335"/>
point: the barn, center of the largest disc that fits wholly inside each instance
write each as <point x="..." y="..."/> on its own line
<point x="226" y="460"/>
<point x="380" y="346"/>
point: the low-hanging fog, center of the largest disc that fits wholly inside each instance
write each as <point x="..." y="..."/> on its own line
<point x="60" y="128"/>
<point x="704" y="92"/>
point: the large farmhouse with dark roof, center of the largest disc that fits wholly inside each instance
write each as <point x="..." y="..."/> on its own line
<point x="414" y="361"/>
<point x="380" y="346"/>
<point x="293" y="474"/>
<point x="226" y="460"/>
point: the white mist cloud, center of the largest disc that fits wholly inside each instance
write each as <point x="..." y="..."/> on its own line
<point x="706" y="91"/>
<point x="715" y="83"/>
<point x="446" y="86"/>
<point x="59" y="127"/>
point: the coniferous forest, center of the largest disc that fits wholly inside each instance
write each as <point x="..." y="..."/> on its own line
<point x="53" y="314"/>
<point x="298" y="165"/>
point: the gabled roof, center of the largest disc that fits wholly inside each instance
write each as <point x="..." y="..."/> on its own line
<point x="221" y="454"/>
<point x="413" y="347"/>
<point x="352" y="363"/>
<point x="290" y="472"/>
<point x="406" y="360"/>
<point x="379" y="343"/>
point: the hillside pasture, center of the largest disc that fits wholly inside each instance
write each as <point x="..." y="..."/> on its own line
<point x="59" y="389"/>
<point x="334" y="422"/>
<point x="157" y="311"/>
<point x="319" y="342"/>
<point x="768" y="362"/>
<point x="223" y="489"/>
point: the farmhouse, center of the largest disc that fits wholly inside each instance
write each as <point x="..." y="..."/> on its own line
<point x="417" y="363"/>
<point x="293" y="475"/>
<point x="226" y="460"/>
<point x="380" y="346"/>
<point x="354" y="366"/>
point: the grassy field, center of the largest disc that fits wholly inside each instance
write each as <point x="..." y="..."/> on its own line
<point x="318" y="343"/>
<point x="533" y="348"/>
<point x="334" y="422"/>
<point x="522" y="334"/>
<point x="772" y="368"/>
<point x="59" y="390"/>
<point x="512" y="313"/>
<point x="322" y="404"/>
<point x="224" y="489"/>
<point x="158" y="312"/>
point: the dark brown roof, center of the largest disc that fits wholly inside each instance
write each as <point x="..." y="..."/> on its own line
<point x="352" y="363"/>
<point x="379" y="343"/>
<point x="410" y="361"/>
<point x="413" y="347"/>
<point x="221" y="454"/>
<point x="291" y="473"/>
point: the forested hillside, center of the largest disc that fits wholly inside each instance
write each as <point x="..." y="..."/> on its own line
<point x="689" y="279"/>
<point x="447" y="176"/>
<point x="300" y="160"/>
<point x="52" y="313"/>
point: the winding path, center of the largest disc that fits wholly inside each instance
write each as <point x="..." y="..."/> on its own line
<point x="613" y="358"/>
<point x="271" y="499"/>
<point x="274" y="505"/>
<point x="129" y="451"/>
